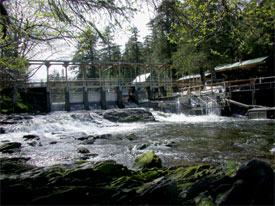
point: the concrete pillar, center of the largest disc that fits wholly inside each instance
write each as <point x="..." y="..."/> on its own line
<point x="164" y="91"/>
<point x="48" y="96"/>
<point x="67" y="99"/>
<point x="48" y="72"/>
<point x="65" y="65"/>
<point x="136" y="94"/>
<point x="103" y="98"/>
<point x="150" y="92"/>
<point x="119" y="97"/>
<point x="85" y="98"/>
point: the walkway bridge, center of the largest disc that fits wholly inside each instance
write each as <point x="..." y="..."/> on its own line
<point x="114" y="84"/>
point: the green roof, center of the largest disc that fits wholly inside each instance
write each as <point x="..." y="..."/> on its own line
<point x="240" y="64"/>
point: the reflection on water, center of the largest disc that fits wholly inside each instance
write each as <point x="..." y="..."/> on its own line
<point x="176" y="138"/>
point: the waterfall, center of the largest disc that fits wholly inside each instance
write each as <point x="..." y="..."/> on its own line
<point x="178" y="106"/>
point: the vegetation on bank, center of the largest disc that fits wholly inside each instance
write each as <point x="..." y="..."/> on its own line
<point x="8" y="105"/>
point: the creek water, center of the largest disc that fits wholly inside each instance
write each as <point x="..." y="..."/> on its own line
<point x="176" y="138"/>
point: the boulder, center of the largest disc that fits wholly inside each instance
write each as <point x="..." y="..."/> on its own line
<point x="31" y="137"/>
<point x="2" y="130"/>
<point x="253" y="185"/>
<point x="147" y="160"/>
<point x="128" y="115"/>
<point x="83" y="150"/>
<point x="12" y="166"/>
<point x="10" y="147"/>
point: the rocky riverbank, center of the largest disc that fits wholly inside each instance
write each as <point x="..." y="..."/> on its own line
<point x="108" y="183"/>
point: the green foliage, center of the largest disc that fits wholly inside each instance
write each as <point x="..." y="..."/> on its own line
<point x="217" y="30"/>
<point x="7" y="105"/>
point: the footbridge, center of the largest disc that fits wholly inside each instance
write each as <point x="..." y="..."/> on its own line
<point x="103" y="85"/>
<point x="100" y="85"/>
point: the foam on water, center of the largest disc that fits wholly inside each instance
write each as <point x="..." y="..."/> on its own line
<point x="174" y="137"/>
<point x="182" y="118"/>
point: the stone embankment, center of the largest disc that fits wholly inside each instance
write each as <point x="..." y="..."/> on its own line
<point x="108" y="183"/>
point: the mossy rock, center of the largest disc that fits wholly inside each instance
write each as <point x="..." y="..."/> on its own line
<point x="83" y="150"/>
<point x="147" y="160"/>
<point x="111" y="169"/>
<point x="14" y="165"/>
<point x="10" y="147"/>
<point x="128" y="115"/>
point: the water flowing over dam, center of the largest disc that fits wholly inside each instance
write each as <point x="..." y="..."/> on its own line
<point x="176" y="138"/>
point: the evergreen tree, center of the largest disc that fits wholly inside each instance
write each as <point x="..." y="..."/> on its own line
<point x="87" y="52"/>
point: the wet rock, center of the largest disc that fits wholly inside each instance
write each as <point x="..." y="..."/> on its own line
<point x="161" y="191"/>
<point x="32" y="143"/>
<point x="10" y="147"/>
<point x="14" y="119"/>
<point x="82" y="116"/>
<point x="83" y="138"/>
<point x="16" y="165"/>
<point x="103" y="136"/>
<point x="110" y="183"/>
<point x="253" y="185"/>
<point x="31" y="137"/>
<point x="128" y="115"/>
<point x="83" y="150"/>
<point x="143" y="146"/>
<point x="147" y="160"/>
<point x="89" y="141"/>
<point x="131" y="137"/>
<point x="2" y="131"/>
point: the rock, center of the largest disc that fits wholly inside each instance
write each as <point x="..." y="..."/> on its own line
<point x="83" y="150"/>
<point x="147" y="160"/>
<point x="82" y="116"/>
<point x="2" y="130"/>
<point x="110" y="183"/>
<point x="34" y="143"/>
<point x="10" y="147"/>
<point x="14" y="165"/>
<point x="128" y="115"/>
<point x="143" y="146"/>
<point x="83" y="138"/>
<point x="254" y="184"/>
<point x="161" y="191"/>
<point x="31" y="136"/>
<point x="89" y="141"/>
<point x="131" y="137"/>
<point x="53" y="142"/>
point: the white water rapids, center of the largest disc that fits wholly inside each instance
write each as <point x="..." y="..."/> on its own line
<point x="176" y="138"/>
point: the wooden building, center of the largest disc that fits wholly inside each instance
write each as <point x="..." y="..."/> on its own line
<point x="253" y="68"/>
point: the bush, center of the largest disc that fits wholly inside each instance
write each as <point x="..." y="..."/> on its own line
<point x="7" y="106"/>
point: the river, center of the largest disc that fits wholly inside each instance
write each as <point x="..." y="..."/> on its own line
<point x="176" y="138"/>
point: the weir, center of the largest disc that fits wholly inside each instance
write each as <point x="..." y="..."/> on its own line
<point x="135" y="84"/>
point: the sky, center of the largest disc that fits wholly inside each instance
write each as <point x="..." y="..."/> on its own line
<point x="65" y="51"/>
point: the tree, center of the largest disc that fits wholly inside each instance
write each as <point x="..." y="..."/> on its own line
<point x="110" y="52"/>
<point x="28" y="28"/>
<point x="133" y="48"/>
<point x="87" y="51"/>
<point x="162" y="27"/>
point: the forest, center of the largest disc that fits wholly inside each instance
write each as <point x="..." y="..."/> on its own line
<point x="192" y="35"/>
